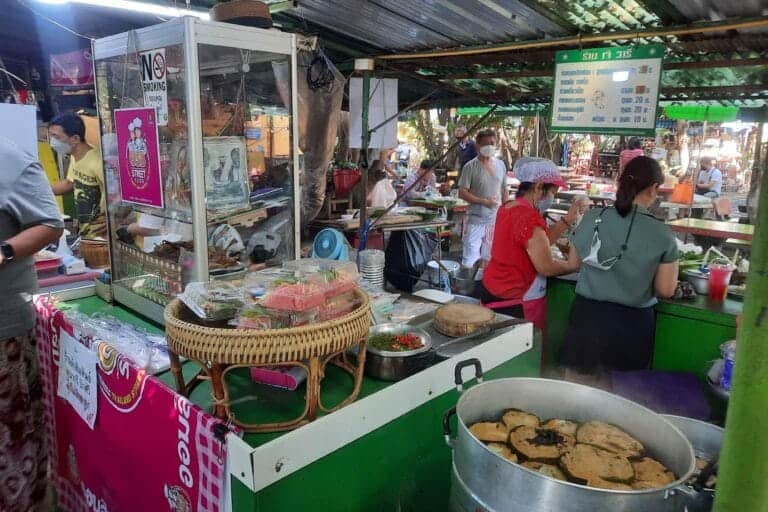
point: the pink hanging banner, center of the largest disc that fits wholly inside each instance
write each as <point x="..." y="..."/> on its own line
<point x="150" y="448"/>
<point x="139" y="156"/>
<point x="72" y="68"/>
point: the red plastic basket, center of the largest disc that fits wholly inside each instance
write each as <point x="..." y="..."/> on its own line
<point x="344" y="180"/>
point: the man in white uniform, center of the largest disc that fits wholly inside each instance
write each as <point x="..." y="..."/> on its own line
<point x="483" y="185"/>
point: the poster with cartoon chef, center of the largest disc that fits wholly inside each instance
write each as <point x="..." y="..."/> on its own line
<point x="139" y="156"/>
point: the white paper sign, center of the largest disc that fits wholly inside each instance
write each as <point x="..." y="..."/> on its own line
<point x="381" y="106"/>
<point x="78" y="382"/>
<point x="154" y="83"/>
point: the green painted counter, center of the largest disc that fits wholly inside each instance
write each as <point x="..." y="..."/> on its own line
<point x="688" y="333"/>
<point x="404" y="465"/>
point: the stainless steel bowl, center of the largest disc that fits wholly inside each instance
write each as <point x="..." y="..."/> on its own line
<point x="394" y="366"/>
<point x="706" y="440"/>
<point x="698" y="279"/>
<point x="464" y="281"/>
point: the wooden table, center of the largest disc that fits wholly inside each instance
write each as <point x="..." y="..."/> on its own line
<point x="354" y="225"/>
<point x="431" y="205"/>
<point x="601" y="200"/>
<point x="713" y="228"/>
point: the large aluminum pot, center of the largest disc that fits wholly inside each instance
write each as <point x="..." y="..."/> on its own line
<point x="706" y="440"/>
<point x="493" y="484"/>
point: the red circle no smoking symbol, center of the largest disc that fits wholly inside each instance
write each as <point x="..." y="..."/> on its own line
<point x="158" y="66"/>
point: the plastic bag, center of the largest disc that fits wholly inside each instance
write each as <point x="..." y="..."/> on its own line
<point x="383" y="194"/>
<point x="682" y="194"/>
<point x="214" y="300"/>
<point x="406" y="258"/>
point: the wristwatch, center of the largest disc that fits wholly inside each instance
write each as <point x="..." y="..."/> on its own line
<point x="7" y="251"/>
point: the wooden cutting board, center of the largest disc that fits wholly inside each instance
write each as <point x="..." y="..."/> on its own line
<point x="461" y="319"/>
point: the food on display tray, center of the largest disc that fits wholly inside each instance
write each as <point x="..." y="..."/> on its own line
<point x="214" y="300"/>
<point x="299" y="296"/>
<point x="539" y="444"/>
<point x="503" y="451"/>
<point x="609" y="437"/>
<point x="514" y="418"/>
<point x="545" y="469"/>
<point x="490" y="431"/>
<point x="395" y="342"/>
<point x="586" y="462"/>
<point x="563" y="426"/>
<point x="461" y="319"/>
<point x="339" y="306"/>
<point x="593" y="453"/>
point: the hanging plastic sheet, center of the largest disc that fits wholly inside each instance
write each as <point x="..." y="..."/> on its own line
<point x="320" y="92"/>
<point x="406" y="258"/>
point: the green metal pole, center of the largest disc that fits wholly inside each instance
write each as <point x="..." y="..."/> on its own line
<point x="742" y="484"/>
<point x="364" y="151"/>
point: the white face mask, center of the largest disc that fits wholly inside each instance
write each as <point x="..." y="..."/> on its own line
<point x="545" y="204"/>
<point x="488" y="151"/>
<point x="60" y="147"/>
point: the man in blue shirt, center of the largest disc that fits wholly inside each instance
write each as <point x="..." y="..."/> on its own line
<point x="710" y="182"/>
<point x="467" y="147"/>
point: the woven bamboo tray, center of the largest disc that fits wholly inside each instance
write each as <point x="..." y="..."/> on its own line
<point x="219" y="350"/>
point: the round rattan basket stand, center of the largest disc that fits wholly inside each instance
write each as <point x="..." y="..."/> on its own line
<point x="312" y="347"/>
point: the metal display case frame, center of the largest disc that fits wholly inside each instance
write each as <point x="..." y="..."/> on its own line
<point x="189" y="33"/>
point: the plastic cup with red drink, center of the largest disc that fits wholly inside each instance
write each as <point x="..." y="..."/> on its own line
<point x="719" y="277"/>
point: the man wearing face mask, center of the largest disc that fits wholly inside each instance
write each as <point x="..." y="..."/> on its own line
<point x="515" y="280"/>
<point x="85" y="175"/>
<point x="483" y="184"/>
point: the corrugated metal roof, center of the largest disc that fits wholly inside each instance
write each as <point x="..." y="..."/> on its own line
<point x="404" y="26"/>
<point x="718" y="9"/>
<point x="421" y="24"/>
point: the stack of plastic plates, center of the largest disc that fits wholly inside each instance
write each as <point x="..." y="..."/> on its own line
<point x="372" y="267"/>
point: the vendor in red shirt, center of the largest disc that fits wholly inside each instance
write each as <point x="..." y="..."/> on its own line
<point x="514" y="282"/>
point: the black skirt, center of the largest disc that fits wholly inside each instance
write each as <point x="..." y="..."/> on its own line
<point x="604" y="336"/>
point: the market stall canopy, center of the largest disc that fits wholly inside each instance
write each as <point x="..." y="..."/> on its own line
<point x="713" y="113"/>
<point x="502" y="51"/>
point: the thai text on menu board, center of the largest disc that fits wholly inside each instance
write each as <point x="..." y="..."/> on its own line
<point x="607" y="90"/>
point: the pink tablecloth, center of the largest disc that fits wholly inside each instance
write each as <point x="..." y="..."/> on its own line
<point x="151" y="450"/>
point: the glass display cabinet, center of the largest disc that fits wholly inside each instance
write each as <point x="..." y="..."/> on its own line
<point x="200" y="155"/>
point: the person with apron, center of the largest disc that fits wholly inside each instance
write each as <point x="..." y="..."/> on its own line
<point x="628" y="259"/>
<point x="514" y="282"/>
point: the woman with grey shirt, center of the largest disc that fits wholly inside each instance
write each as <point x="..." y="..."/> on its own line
<point x="628" y="259"/>
<point x="29" y="221"/>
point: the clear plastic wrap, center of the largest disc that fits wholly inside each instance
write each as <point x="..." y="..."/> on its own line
<point x="145" y="349"/>
<point x="314" y="265"/>
<point x="339" y="306"/>
<point x="300" y="296"/>
<point x="214" y="300"/>
<point x="258" y="284"/>
<point x="256" y="316"/>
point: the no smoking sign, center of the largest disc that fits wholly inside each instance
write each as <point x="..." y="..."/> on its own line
<point x="153" y="83"/>
<point x="158" y="66"/>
